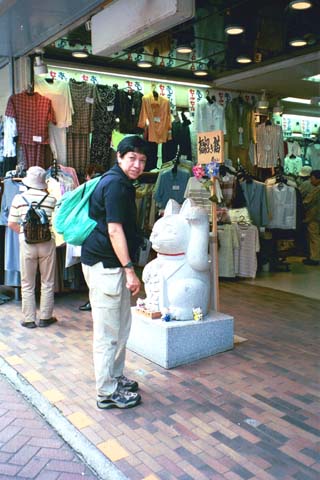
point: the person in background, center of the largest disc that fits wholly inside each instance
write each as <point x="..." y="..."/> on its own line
<point x="32" y="256"/>
<point x="310" y="192"/>
<point x="94" y="170"/>
<point x="106" y="258"/>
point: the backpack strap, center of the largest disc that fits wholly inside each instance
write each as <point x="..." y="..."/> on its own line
<point x="38" y="203"/>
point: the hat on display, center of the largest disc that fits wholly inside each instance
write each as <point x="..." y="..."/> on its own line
<point x="35" y="178"/>
<point x="305" y="171"/>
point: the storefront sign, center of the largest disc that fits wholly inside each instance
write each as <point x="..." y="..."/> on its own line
<point x="210" y="147"/>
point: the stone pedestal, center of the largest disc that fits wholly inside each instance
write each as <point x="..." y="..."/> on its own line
<point x="170" y="344"/>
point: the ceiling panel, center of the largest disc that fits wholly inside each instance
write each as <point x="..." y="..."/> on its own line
<point x="25" y="24"/>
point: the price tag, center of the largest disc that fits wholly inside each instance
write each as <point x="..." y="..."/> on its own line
<point x="175" y="187"/>
<point x="110" y="108"/>
<point x="133" y="111"/>
<point x="89" y="99"/>
<point x="156" y="119"/>
<point x="37" y="138"/>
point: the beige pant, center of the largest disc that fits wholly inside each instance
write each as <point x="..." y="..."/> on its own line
<point x="32" y="256"/>
<point x="111" y="314"/>
<point x="314" y="240"/>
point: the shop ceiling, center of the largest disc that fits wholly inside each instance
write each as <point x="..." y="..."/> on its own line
<point x="269" y="26"/>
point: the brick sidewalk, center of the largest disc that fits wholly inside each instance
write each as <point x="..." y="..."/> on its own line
<point x="29" y="448"/>
<point x="249" y="413"/>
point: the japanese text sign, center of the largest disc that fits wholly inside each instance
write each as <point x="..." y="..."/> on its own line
<point x="210" y="147"/>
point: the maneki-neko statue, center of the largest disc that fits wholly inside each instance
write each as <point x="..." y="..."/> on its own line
<point x="178" y="280"/>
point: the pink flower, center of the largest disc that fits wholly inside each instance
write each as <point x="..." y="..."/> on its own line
<point x="198" y="171"/>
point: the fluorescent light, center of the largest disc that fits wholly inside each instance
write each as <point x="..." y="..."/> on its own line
<point x="305" y="101"/>
<point x="234" y="29"/>
<point x="136" y="77"/>
<point x="243" y="59"/>
<point x="314" y="78"/>
<point x="298" y="42"/>
<point x="300" y="4"/>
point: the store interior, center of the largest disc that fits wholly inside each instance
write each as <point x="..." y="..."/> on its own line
<point x="271" y="64"/>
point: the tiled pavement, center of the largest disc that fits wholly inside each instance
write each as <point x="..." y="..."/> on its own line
<point x="29" y="448"/>
<point x="250" y="413"/>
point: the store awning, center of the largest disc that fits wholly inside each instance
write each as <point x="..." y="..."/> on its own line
<point x="26" y="24"/>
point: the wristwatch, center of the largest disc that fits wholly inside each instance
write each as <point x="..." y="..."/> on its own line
<point x="128" y="265"/>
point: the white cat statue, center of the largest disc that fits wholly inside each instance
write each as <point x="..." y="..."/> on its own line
<point x="178" y="280"/>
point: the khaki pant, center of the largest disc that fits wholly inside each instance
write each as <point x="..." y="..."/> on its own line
<point x="32" y="256"/>
<point x="111" y="314"/>
<point x="314" y="240"/>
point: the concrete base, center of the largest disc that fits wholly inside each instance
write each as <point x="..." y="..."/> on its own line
<point x="170" y="344"/>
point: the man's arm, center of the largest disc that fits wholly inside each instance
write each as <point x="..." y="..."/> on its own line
<point x="14" y="226"/>
<point x="120" y="246"/>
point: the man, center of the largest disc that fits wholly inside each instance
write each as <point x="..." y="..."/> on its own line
<point x="32" y="256"/>
<point x="106" y="259"/>
<point x="310" y="192"/>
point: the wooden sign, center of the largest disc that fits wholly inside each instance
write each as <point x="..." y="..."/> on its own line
<point x="210" y="147"/>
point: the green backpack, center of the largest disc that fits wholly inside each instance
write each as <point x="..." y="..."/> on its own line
<point x="71" y="215"/>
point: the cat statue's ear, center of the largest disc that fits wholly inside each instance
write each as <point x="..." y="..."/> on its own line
<point x="187" y="207"/>
<point x="171" y="208"/>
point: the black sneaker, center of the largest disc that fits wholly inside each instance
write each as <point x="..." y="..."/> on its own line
<point x="125" y="383"/>
<point x="119" y="399"/>
<point x="310" y="262"/>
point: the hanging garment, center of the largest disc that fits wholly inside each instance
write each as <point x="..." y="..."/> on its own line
<point x="240" y="123"/>
<point x="255" y="195"/>
<point x="78" y="141"/>
<point x="155" y="113"/>
<point x="269" y="145"/>
<point x="60" y="96"/>
<point x="245" y="257"/>
<point x="104" y="121"/>
<point x="228" y="242"/>
<point x="127" y="108"/>
<point x="10" y="132"/>
<point x="313" y="155"/>
<point x="171" y="185"/>
<point x="210" y="117"/>
<point x="292" y="165"/>
<point x="282" y="206"/>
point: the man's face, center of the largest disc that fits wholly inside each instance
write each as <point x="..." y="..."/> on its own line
<point x="314" y="181"/>
<point x="132" y="164"/>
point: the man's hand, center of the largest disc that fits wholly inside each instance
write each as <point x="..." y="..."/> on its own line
<point x="133" y="283"/>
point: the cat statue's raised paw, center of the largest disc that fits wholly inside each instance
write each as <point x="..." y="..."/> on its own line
<point x="178" y="280"/>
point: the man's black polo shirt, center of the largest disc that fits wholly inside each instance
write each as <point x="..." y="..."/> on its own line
<point x="113" y="201"/>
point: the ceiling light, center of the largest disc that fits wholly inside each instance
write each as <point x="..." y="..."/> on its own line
<point x="243" y="59"/>
<point x="298" y="42"/>
<point x="144" y="64"/>
<point x="263" y="103"/>
<point x="184" y="48"/>
<point x="234" y="29"/>
<point x="39" y="67"/>
<point x="300" y="4"/>
<point x="200" y="71"/>
<point x="80" y="53"/>
<point x="277" y="109"/>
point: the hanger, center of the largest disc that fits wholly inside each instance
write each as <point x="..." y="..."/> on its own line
<point x="154" y="91"/>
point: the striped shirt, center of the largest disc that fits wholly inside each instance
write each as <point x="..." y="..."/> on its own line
<point x="19" y="207"/>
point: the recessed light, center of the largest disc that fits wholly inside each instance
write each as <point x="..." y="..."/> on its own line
<point x="200" y="72"/>
<point x="243" y="59"/>
<point x="298" y="42"/>
<point x="234" y="29"/>
<point x="80" y="53"/>
<point x="300" y="4"/>
<point x="144" y="64"/>
<point x="184" y="49"/>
